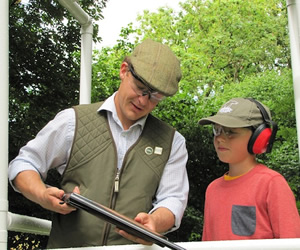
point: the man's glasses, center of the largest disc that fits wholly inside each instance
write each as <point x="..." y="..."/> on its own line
<point x="153" y="95"/>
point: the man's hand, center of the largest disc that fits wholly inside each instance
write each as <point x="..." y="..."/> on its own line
<point x="52" y="198"/>
<point x="144" y="219"/>
<point x="161" y="220"/>
<point x="33" y="188"/>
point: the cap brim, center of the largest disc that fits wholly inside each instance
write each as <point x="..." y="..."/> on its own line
<point x="225" y="121"/>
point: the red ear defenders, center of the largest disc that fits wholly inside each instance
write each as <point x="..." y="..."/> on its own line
<point x="263" y="137"/>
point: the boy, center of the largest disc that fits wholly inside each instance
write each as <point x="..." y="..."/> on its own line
<point x="250" y="201"/>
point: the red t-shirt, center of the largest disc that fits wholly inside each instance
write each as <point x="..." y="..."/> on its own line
<point x="257" y="205"/>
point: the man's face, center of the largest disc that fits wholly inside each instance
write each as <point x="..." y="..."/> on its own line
<point x="130" y="104"/>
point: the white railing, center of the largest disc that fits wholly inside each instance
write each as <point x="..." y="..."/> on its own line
<point x="21" y="223"/>
<point x="27" y="224"/>
<point x="278" y="244"/>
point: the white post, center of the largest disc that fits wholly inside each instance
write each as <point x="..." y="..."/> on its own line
<point x="293" y="8"/>
<point x="3" y="122"/>
<point x="86" y="48"/>
<point x="86" y="64"/>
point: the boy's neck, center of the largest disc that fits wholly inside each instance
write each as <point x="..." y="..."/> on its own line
<point x="241" y="168"/>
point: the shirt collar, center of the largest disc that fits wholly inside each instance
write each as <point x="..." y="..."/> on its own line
<point x="109" y="105"/>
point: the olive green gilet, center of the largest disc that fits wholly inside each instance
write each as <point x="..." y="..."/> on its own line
<point x="93" y="167"/>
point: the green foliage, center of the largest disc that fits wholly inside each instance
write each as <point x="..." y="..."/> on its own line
<point x="227" y="49"/>
<point x="221" y="42"/>
<point x="105" y="76"/>
<point x="191" y="226"/>
<point x="43" y="77"/>
<point x="22" y="241"/>
<point x="44" y="73"/>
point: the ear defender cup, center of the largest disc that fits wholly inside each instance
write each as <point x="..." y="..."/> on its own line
<point x="259" y="141"/>
<point x="263" y="137"/>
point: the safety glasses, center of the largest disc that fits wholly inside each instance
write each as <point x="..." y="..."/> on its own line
<point x="153" y="95"/>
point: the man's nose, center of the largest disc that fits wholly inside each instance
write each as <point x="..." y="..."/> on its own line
<point x="144" y="99"/>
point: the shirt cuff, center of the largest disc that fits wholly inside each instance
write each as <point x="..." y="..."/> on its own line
<point x="16" y="167"/>
<point x="176" y="207"/>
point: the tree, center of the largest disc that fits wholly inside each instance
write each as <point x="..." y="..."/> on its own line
<point x="222" y="41"/>
<point x="227" y="49"/>
<point x="44" y="75"/>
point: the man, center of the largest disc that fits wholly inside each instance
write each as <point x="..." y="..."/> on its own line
<point x="114" y="152"/>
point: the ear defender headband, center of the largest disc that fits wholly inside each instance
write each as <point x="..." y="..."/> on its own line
<point x="263" y="137"/>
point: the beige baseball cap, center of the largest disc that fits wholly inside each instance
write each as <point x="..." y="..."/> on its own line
<point x="156" y="64"/>
<point x="237" y="113"/>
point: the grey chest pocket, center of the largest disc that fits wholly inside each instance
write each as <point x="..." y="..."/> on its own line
<point x="243" y="220"/>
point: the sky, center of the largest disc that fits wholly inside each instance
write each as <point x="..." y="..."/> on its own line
<point x="119" y="13"/>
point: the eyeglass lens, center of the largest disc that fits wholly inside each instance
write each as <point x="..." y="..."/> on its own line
<point x="153" y="95"/>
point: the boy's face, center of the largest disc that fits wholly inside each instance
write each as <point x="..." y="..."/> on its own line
<point x="231" y="144"/>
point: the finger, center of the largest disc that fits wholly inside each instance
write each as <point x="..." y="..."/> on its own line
<point x="145" y="219"/>
<point x="76" y="190"/>
<point x="143" y="242"/>
<point x="133" y="238"/>
<point x="142" y="218"/>
<point x="127" y="235"/>
<point x="55" y="192"/>
<point x="66" y="209"/>
<point x="55" y="199"/>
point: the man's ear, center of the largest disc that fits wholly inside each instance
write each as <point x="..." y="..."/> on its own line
<point x="123" y="70"/>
